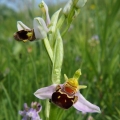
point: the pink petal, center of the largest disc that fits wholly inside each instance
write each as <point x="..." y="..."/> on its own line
<point x="22" y="26"/>
<point x="85" y="106"/>
<point x="46" y="92"/>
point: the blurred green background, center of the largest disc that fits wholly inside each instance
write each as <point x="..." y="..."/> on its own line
<point x="92" y="44"/>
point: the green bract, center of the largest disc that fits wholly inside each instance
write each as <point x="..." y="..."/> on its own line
<point x="54" y="20"/>
<point x="57" y="59"/>
<point x="53" y="28"/>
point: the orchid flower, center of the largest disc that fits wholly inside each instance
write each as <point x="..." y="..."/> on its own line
<point x="39" y="30"/>
<point x="31" y="113"/>
<point x="67" y="95"/>
<point x="24" y="33"/>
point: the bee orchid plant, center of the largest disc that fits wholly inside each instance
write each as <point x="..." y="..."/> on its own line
<point x="60" y="96"/>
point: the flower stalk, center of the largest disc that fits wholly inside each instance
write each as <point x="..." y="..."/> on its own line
<point x="56" y="113"/>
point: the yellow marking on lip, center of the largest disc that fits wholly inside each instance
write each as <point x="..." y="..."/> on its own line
<point x="29" y="34"/>
<point x="59" y="97"/>
<point x="25" y="40"/>
<point x="72" y="101"/>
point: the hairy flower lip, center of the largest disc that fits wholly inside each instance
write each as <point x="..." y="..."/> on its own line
<point x="81" y="105"/>
<point x="22" y="35"/>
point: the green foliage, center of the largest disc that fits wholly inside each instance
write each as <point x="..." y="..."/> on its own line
<point x="24" y="67"/>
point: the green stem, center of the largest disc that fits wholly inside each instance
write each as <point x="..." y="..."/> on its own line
<point x="66" y="29"/>
<point x="56" y="113"/>
<point x="47" y="110"/>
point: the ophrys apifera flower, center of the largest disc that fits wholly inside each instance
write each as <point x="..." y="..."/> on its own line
<point x="67" y="95"/>
<point x="24" y="33"/>
<point x="39" y="30"/>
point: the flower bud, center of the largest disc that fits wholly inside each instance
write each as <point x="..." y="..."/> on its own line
<point x="81" y="3"/>
<point x="45" y="10"/>
<point x="67" y="7"/>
